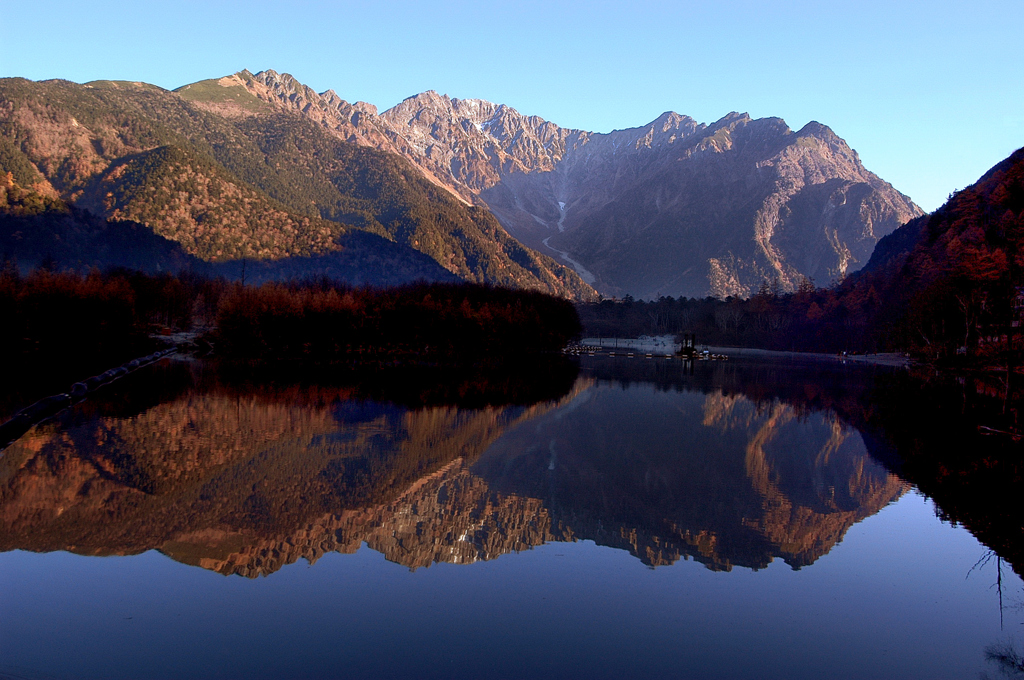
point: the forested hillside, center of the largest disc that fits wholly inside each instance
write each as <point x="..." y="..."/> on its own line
<point x="38" y="230"/>
<point x="228" y="177"/>
<point x="953" y="281"/>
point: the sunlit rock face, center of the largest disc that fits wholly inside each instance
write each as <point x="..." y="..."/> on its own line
<point x="673" y="207"/>
<point x="246" y="481"/>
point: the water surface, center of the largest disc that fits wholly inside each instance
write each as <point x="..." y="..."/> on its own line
<point x="751" y="520"/>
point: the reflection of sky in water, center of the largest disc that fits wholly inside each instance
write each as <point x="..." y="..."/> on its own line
<point x="890" y="601"/>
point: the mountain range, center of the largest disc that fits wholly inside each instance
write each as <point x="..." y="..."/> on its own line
<point x="261" y="166"/>
<point x="672" y="207"/>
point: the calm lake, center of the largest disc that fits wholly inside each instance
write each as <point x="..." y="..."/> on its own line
<point x="606" y="518"/>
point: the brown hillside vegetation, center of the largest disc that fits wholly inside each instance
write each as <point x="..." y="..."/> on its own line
<point x="213" y="215"/>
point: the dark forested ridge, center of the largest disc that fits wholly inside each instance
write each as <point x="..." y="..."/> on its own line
<point x="951" y="282"/>
<point x="264" y="184"/>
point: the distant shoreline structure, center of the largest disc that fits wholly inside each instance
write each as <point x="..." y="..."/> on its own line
<point x="668" y="344"/>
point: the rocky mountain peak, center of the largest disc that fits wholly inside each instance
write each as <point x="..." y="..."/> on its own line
<point x="735" y="117"/>
<point x="825" y="135"/>
<point x="470" y="144"/>
<point x="643" y="210"/>
<point x="816" y="129"/>
<point x="364" y="107"/>
<point x="668" y="128"/>
<point x="331" y="97"/>
<point x="268" y="77"/>
<point x="412" y="107"/>
<point x="670" y="120"/>
<point x="286" y="85"/>
<point x="478" y="111"/>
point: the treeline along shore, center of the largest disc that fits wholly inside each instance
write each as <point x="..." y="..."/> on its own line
<point x="117" y="312"/>
<point x="808" y="320"/>
<point x="52" y="314"/>
<point x="452" y="321"/>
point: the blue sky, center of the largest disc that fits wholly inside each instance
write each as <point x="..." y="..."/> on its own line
<point x="931" y="94"/>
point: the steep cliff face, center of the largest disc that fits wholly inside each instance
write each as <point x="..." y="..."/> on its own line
<point x="672" y="207"/>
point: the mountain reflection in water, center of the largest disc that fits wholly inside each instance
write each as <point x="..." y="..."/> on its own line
<point x="242" y="472"/>
<point x="718" y="478"/>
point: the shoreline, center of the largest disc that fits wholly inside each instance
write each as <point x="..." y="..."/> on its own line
<point x="668" y="343"/>
<point x="892" y="359"/>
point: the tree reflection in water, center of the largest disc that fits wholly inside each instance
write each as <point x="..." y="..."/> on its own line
<point x="1006" y="658"/>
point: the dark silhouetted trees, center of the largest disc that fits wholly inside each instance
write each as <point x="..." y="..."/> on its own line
<point x="424" y="320"/>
